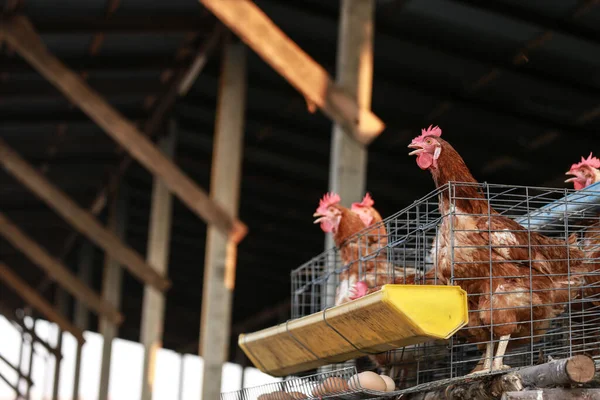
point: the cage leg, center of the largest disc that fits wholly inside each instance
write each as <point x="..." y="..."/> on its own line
<point x="487" y="359"/>
<point x="498" y="361"/>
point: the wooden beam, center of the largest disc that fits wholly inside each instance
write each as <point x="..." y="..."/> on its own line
<point x="29" y="294"/>
<point x="553" y="394"/>
<point x="22" y="36"/>
<point x="255" y="28"/>
<point x="159" y="239"/>
<point x="85" y="264"/>
<point x="80" y="219"/>
<point x="112" y="287"/>
<point x="56" y="270"/>
<point x="221" y="252"/>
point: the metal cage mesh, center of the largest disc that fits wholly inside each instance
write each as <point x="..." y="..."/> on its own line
<point x="407" y="251"/>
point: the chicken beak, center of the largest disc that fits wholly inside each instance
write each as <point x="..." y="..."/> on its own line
<point x="418" y="148"/>
<point x="574" y="178"/>
<point x="321" y="217"/>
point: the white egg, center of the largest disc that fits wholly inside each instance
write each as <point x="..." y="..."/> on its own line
<point x="389" y="382"/>
<point x="367" y="380"/>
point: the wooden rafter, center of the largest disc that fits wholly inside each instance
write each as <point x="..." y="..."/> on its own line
<point x="29" y="294"/>
<point x="161" y="108"/>
<point x="80" y="219"/>
<point x="21" y="35"/>
<point x="255" y="28"/>
<point x="56" y="270"/>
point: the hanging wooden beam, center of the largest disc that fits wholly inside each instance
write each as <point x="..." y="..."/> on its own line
<point x="80" y="219"/>
<point x="159" y="240"/>
<point x="56" y="270"/>
<point x="255" y="28"/>
<point x="29" y="294"/>
<point x="221" y="252"/>
<point x="21" y="35"/>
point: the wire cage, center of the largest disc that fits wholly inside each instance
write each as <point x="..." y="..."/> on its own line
<point x="341" y="384"/>
<point x="525" y="255"/>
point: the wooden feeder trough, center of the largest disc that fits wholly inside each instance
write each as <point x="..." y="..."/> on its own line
<point x="395" y="316"/>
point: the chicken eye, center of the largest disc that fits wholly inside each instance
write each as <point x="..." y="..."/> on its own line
<point x="428" y="141"/>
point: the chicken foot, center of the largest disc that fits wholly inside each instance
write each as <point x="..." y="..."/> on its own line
<point x="497" y="364"/>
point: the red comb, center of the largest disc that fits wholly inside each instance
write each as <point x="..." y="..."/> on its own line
<point x="367" y="201"/>
<point x="591" y="161"/>
<point x="431" y="131"/>
<point x="328" y="200"/>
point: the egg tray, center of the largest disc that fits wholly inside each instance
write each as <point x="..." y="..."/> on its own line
<point x="302" y="388"/>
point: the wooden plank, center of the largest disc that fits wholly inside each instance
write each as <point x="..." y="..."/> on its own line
<point x="80" y="219"/>
<point x="159" y="238"/>
<point x="221" y="252"/>
<point x="112" y="287"/>
<point x="255" y="28"/>
<point x="29" y="294"/>
<point x="56" y="270"/>
<point x="20" y="34"/>
<point x="554" y="394"/>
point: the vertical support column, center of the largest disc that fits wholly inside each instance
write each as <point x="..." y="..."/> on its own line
<point x="30" y="364"/>
<point x="111" y="286"/>
<point x="84" y="273"/>
<point x="348" y="163"/>
<point x="62" y="307"/>
<point x="159" y="238"/>
<point x="19" y="365"/>
<point x="220" y="258"/>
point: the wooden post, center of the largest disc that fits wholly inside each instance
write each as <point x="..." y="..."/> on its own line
<point x="86" y="260"/>
<point x="348" y="165"/>
<point x="30" y="364"/>
<point x="19" y="363"/>
<point x="220" y="258"/>
<point x="111" y="286"/>
<point x="159" y="236"/>
<point x="62" y="306"/>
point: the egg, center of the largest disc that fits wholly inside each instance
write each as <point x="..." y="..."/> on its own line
<point x="335" y="385"/>
<point x="298" y="395"/>
<point x="279" y="395"/>
<point x="367" y="380"/>
<point x="389" y="382"/>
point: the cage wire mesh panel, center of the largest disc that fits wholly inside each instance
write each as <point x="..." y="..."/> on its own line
<point x="525" y="255"/>
<point x="339" y="384"/>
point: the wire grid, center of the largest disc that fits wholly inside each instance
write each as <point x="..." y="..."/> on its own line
<point x="406" y="251"/>
<point x="326" y="385"/>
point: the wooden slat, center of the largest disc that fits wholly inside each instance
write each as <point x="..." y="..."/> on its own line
<point x="80" y="219"/>
<point x="29" y="294"/>
<point x="21" y="35"/>
<point x="255" y="28"/>
<point x="56" y="270"/>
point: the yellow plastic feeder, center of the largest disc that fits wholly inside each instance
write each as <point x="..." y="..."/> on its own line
<point x="395" y="316"/>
